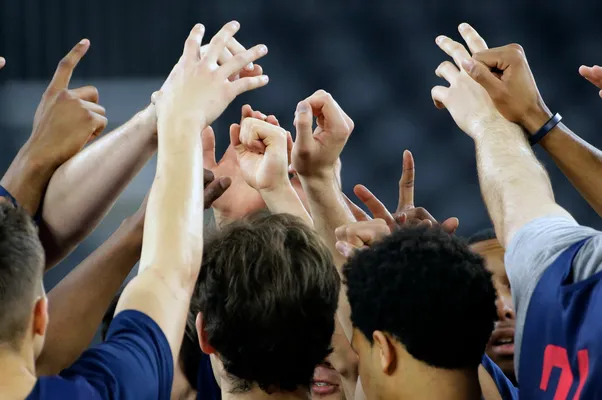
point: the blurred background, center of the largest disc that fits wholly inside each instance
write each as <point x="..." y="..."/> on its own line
<point x="377" y="59"/>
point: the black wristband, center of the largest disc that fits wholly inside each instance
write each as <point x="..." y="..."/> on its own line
<point x="545" y="129"/>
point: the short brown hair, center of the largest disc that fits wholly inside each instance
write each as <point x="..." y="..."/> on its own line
<point x="21" y="271"/>
<point x="268" y="291"/>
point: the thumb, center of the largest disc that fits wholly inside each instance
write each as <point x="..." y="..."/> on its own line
<point x="303" y="125"/>
<point x="482" y="75"/>
<point x="208" y="141"/>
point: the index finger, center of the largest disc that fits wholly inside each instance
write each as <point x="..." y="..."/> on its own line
<point x="473" y="40"/>
<point x="406" y="183"/>
<point x="358" y="213"/>
<point x="453" y="49"/>
<point x="62" y="75"/>
<point x="376" y="207"/>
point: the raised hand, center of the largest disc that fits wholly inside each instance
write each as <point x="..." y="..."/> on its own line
<point x="466" y="100"/>
<point x="66" y="120"/>
<point x="199" y="88"/>
<point x="406" y="211"/>
<point x="316" y="154"/>
<point x="504" y="72"/>
<point x="233" y="47"/>
<point x="360" y="235"/>
<point x="592" y="74"/>
<point x="262" y="151"/>
<point x="240" y="199"/>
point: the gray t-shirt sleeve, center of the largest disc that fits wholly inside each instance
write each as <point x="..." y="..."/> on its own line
<point x="534" y="247"/>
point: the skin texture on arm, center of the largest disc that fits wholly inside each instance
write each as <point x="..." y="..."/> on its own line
<point x="83" y="190"/>
<point x="79" y="302"/>
<point x="516" y="96"/>
<point x="196" y="93"/>
<point x="64" y="122"/>
<point x="515" y="187"/>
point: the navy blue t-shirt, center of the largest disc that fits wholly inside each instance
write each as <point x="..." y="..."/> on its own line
<point x="135" y="362"/>
<point x="506" y="389"/>
<point x="207" y="386"/>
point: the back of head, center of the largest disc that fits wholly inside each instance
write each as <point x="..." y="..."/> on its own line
<point x="21" y="270"/>
<point x="268" y="292"/>
<point x="428" y="291"/>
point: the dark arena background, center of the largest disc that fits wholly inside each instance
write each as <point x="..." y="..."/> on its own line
<point x="377" y="58"/>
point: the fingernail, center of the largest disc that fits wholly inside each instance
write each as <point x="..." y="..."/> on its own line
<point x="84" y="42"/>
<point x="265" y="78"/>
<point x="468" y="65"/>
<point x="235" y="24"/>
<point x="440" y="38"/>
<point x="250" y="67"/>
<point x="263" y="49"/>
<point x="302" y="107"/>
<point x="463" y="26"/>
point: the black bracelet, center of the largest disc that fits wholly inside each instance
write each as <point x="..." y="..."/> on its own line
<point x="545" y="129"/>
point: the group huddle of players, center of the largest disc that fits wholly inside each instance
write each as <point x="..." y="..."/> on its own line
<point x="296" y="292"/>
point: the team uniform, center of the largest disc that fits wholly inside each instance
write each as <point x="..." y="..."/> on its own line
<point x="506" y="389"/>
<point x="135" y="362"/>
<point x="555" y="269"/>
<point x="207" y="386"/>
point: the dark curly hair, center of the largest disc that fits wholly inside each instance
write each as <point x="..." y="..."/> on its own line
<point x="268" y="291"/>
<point x="429" y="291"/>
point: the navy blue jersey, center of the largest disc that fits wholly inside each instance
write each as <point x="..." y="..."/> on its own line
<point x="207" y="386"/>
<point x="562" y="338"/>
<point x="506" y="389"/>
<point x="134" y="363"/>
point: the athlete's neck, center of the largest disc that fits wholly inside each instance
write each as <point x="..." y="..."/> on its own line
<point x="436" y="384"/>
<point x="17" y="374"/>
<point x="257" y="394"/>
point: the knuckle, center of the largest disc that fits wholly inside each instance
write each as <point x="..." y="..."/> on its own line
<point x="66" y="62"/>
<point x="64" y="95"/>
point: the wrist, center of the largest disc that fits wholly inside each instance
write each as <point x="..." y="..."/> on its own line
<point x="535" y="118"/>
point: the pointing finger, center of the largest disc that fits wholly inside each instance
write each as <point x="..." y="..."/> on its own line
<point x="62" y="75"/>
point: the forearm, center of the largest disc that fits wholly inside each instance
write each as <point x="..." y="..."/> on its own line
<point x="515" y="186"/>
<point x="84" y="189"/>
<point x="329" y="211"/>
<point x="27" y="178"/>
<point x="78" y="303"/>
<point x="579" y="161"/>
<point x="173" y="240"/>
<point x="285" y="200"/>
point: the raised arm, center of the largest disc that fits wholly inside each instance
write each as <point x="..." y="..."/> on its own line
<point x="197" y="93"/>
<point x="516" y="96"/>
<point x="64" y="122"/>
<point x="514" y="184"/>
<point x="262" y="149"/>
<point x="79" y="302"/>
<point x="314" y="157"/>
<point x="83" y="190"/>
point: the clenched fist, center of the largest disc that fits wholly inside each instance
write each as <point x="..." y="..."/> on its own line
<point x="315" y="154"/>
<point x="262" y="151"/>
